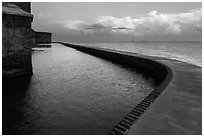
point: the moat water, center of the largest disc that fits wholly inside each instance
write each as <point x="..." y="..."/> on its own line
<point x="71" y="92"/>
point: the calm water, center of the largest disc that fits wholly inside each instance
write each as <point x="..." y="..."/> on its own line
<point x="72" y="93"/>
<point x="190" y="52"/>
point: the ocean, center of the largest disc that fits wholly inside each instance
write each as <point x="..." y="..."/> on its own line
<point x="190" y="52"/>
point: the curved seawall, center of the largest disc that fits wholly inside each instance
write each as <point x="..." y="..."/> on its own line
<point x="178" y="110"/>
<point x="161" y="73"/>
<point x="150" y="67"/>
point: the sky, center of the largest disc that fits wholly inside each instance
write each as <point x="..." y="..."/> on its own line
<point x="119" y="21"/>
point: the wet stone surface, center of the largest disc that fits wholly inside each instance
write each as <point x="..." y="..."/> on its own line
<point x="71" y="93"/>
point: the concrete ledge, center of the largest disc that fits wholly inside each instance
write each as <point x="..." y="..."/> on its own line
<point x="43" y="45"/>
<point x="178" y="110"/>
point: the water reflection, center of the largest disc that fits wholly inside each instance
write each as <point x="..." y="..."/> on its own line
<point x="72" y="93"/>
<point x="13" y="99"/>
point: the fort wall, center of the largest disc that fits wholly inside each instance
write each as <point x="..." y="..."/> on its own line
<point x="42" y="37"/>
<point x="16" y="41"/>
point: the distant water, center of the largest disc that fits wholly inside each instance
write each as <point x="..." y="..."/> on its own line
<point x="72" y="92"/>
<point x="190" y="52"/>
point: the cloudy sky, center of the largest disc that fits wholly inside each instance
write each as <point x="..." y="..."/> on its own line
<point x="116" y="22"/>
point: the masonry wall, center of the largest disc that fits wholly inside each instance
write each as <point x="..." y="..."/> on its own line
<point x="16" y="45"/>
<point x="33" y="38"/>
<point x="42" y="37"/>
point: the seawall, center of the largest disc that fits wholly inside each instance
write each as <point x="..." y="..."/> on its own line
<point x="174" y="107"/>
<point x="154" y="69"/>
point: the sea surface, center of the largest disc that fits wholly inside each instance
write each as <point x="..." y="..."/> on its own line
<point x="71" y="92"/>
<point x="190" y="52"/>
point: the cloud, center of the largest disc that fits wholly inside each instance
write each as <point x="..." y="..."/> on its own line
<point x="44" y="15"/>
<point x="153" y="26"/>
<point x="97" y="26"/>
<point x="173" y="28"/>
<point x="113" y="22"/>
<point x="153" y="23"/>
<point x="172" y="23"/>
<point x="153" y="13"/>
<point x="73" y="24"/>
